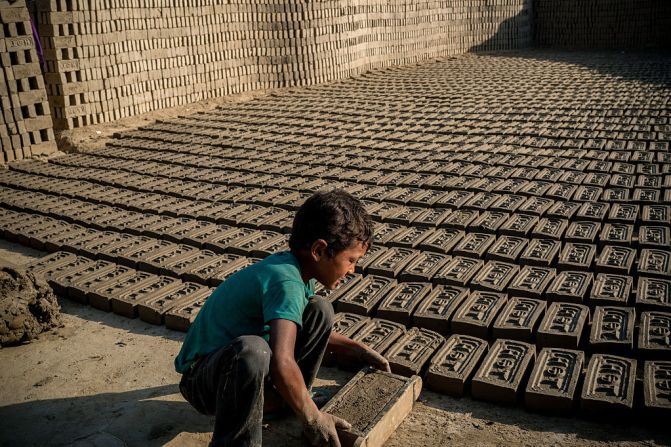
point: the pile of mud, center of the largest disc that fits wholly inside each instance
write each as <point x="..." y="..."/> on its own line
<point x="28" y="306"/>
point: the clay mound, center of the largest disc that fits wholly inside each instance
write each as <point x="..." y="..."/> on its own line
<point x="28" y="306"/>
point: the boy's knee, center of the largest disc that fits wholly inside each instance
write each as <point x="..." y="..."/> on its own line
<point x="322" y="309"/>
<point x="254" y="355"/>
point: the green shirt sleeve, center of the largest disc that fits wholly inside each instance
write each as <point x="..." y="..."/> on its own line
<point x="285" y="300"/>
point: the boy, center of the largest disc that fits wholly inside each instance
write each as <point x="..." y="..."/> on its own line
<point x="263" y="328"/>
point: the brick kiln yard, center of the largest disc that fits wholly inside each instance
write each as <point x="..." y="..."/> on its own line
<point x="512" y="192"/>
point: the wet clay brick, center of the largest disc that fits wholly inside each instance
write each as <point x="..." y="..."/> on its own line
<point x="489" y="221"/>
<point x="392" y="262"/>
<point x="458" y="271"/>
<point x="49" y="262"/>
<point x="364" y="296"/>
<point x="412" y="351"/>
<point x="460" y="219"/>
<point x="585" y="232"/>
<point x="531" y="281"/>
<point x="442" y="240"/>
<point x="153" y="308"/>
<point x="655" y="262"/>
<point x="375" y="403"/>
<point x="126" y="303"/>
<point x="376" y="334"/>
<point x="342" y="288"/>
<point x="411" y="237"/>
<point x="474" y="245"/>
<point x="225" y="270"/>
<point x="657" y="386"/>
<point x="501" y="376"/>
<point x="84" y="286"/>
<point x="401" y="301"/>
<point x="609" y="384"/>
<point x="519" y="319"/>
<point x="540" y="252"/>
<point x="614" y="259"/>
<point x="453" y="366"/>
<point x="348" y="324"/>
<point x="550" y="228"/>
<point x="654" y="236"/>
<point x="592" y="211"/>
<point x="506" y="249"/>
<point x="373" y="253"/>
<point x="656" y="215"/>
<point x="610" y="290"/>
<point x="625" y="213"/>
<point x="100" y="298"/>
<point x="270" y="246"/>
<point x="562" y="326"/>
<point x="519" y="225"/>
<point x="654" y="335"/>
<point x="576" y="256"/>
<point x="616" y="234"/>
<point x="62" y="281"/>
<point x="180" y="317"/>
<point x="612" y="329"/>
<point x="180" y="266"/>
<point x="424" y="266"/>
<point x="477" y="313"/>
<point x="553" y="381"/>
<point x="154" y="264"/>
<point x="494" y="276"/>
<point x="435" y="310"/>
<point x="569" y="286"/>
<point x="653" y="293"/>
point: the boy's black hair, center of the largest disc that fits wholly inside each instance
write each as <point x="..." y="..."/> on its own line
<point x="335" y="216"/>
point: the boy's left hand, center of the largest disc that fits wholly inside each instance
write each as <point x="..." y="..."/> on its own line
<point x="370" y="357"/>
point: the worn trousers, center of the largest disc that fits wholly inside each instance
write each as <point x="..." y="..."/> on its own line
<point x="229" y="382"/>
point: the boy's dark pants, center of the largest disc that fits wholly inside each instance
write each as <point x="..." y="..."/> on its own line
<point x="229" y="382"/>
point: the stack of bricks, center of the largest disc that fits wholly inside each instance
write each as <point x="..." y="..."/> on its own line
<point x="108" y="59"/>
<point x="26" y="128"/>
<point x="602" y="24"/>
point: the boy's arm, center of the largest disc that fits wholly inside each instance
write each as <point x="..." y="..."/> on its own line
<point x="320" y="427"/>
<point x="340" y="344"/>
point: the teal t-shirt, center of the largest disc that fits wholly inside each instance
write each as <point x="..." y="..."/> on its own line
<point x="245" y="303"/>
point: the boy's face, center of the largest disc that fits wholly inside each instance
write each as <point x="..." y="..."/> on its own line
<point x="330" y="271"/>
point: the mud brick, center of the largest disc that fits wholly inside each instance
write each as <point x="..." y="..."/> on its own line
<point x="508" y="203"/>
<point x="474" y="245"/>
<point x="154" y="264"/>
<point x="654" y="236"/>
<point x="182" y="265"/>
<point x="401" y="301"/>
<point x="532" y="281"/>
<point x="594" y="211"/>
<point x="489" y="221"/>
<point x="332" y="295"/>
<point x="612" y="329"/>
<point x="563" y="210"/>
<point x="376" y="334"/>
<point x="585" y="232"/>
<point x="458" y="271"/>
<point x="392" y="262"/>
<point x="494" y="276"/>
<point x="50" y="262"/>
<point x="550" y="228"/>
<point x="575" y="256"/>
<point x="154" y="307"/>
<point x="624" y="213"/>
<point x="654" y="335"/>
<point x="519" y="319"/>
<point x="562" y="326"/>
<point x="246" y="244"/>
<point x="570" y="286"/>
<point x="165" y="228"/>
<point x="199" y="238"/>
<point x="537" y="206"/>
<point x="460" y="219"/>
<point x="609" y="384"/>
<point x="506" y="248"/>
<point x="610" y="290"/>
<point x="424" y="267"/>
<point x="655" y="262"/>
<point x="388" y="231"/>
<point x="553" y="380"/>
<point x="656" y="215"/>
<point x="411" y="352"/>
<point x="217" y="272"/>
<point x="477" y="313"/>
<point x="126" y="303"/>
<point x="149" y="220"/>
<point x="115" y="252"/>
<point x="432" y="217"/>
<point x="70" y="240"/>
<point x="101" y="296"/>
<point x="501" y="375"/>
<point x="656" y="380"/>
<point x="616" y="234"/>
<point x="388" y="398"/>
<point x="616" y="195"/>
<point x="55" y="230"/>
<point x="436" y="309"/>
<point x="519" y="225"/>
<point x="453" y="366"/>
<point x="154" y="248"/>
<point x="442" y="240"/>
<point x="371" y="255"/>
<point x="270" y="246"/>
<point x="62" y="282"/>
<point x="587" y="193"/>
<point x="614" y="259"/>
<point x="345" y="324"/>
<point x="454" y="199"/>
<point x="180" y="317"/>
<point x="221" y="243"/>
<point x="84" y="286"/>
<point x="653" y="293"/>
<point x="540" y="252"/>
<point x="411" y="237"/>
<point x="364" y="296"/>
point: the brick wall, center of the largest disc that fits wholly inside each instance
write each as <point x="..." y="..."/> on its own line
<point x="108" y="59"/>
<point x="602" y="24"/>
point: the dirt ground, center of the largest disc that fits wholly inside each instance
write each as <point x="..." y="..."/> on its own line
<point x="105" y="380"/>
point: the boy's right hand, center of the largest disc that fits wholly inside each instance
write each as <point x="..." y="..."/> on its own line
<point x="320" y="430"/>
